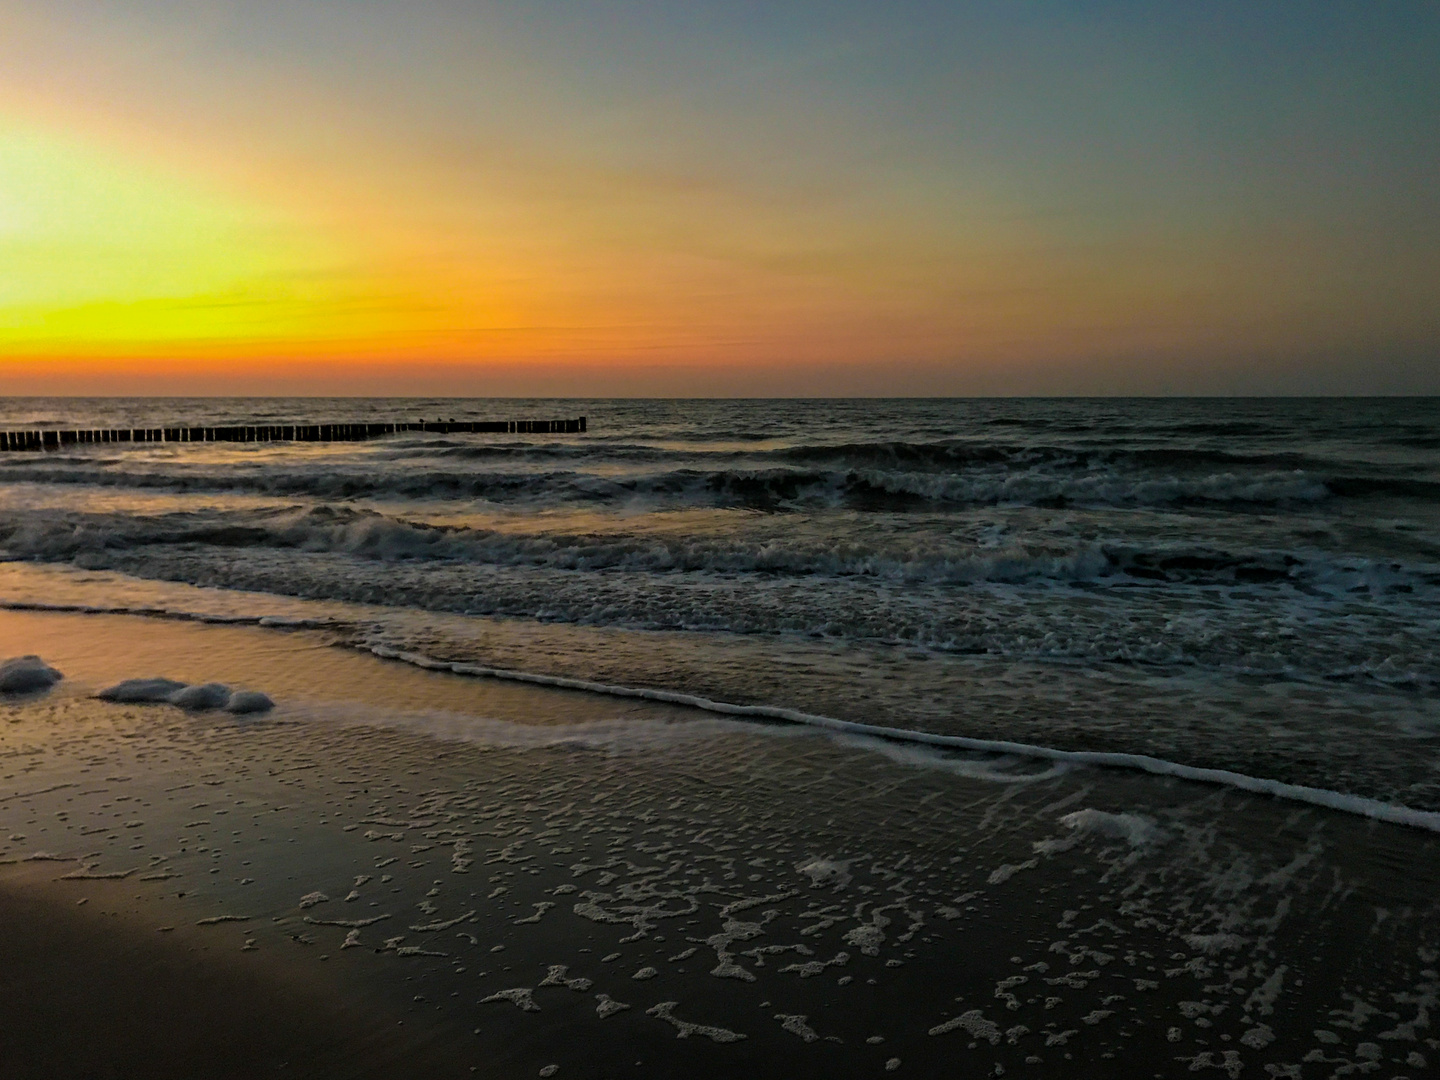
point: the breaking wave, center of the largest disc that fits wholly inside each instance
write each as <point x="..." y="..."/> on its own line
<point x="774" y="488"/>
<point x="370" y="534"/>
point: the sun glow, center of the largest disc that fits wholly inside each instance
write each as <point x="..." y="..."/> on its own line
<point x="104" y="255"/>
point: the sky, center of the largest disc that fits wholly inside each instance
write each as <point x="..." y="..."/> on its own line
<point x="719" y="199"/>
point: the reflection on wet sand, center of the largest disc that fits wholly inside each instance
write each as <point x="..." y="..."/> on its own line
<point x="675" y="894"/>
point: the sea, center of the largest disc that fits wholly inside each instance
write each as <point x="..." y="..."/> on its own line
<point x="1245" y="588"/>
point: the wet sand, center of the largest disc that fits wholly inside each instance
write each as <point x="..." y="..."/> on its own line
<point x="94" y="989"/>
<point x="400" y="872"/>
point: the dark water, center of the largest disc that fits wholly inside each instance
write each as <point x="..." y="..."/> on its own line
<point x="1251" y="585"/>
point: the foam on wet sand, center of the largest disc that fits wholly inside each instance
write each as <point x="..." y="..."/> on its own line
<point x="26" y="675"/>
<point x="721" y="901"/>
<point x="196" y="698"/>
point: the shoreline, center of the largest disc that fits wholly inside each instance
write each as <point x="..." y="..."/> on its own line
<point x="530" y="877"/>
<point x="1391" y="813"/>
<point x="1345" y="802"/>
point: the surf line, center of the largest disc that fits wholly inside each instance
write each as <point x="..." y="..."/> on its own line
<point x="1391" y="813"/>
<point x="269" y="622"/>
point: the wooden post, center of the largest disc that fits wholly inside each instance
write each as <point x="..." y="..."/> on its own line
<point x="39" y="439"/>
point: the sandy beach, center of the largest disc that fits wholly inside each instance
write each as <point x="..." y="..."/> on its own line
<point x="400" y="872"/>
<point x="719" y="541"/>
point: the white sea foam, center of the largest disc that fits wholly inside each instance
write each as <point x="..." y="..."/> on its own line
<point x="197" y="697"/>
<point x="1136" y="830"/>
<point x="202" y="696"/>
<point x="249" y="701"/>
<point x="684" y="1029"/>
<point x="26" y="674"/>
<point x="898" y="742"/>
<point x="520" y="996"/>
<point x="603" y="735"/>
<point x="974" y="1023"/>
<point x="142" y="691"/>
<point x="608" y="1006"/>
<point x="936" y="557"/>
<point x="216" y="618"/>
<point x="867" y="596"/>
<point x="823" y="872"/>
<point x="1332" y="800"/>
<point x="1004" y="770"/>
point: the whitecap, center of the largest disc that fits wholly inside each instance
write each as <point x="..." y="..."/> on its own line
<point x="1137" y="830"/>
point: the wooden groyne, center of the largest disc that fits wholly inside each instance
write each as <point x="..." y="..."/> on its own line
<point x="52" y="439"/>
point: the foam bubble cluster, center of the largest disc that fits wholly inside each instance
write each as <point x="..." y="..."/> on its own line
<point x="196" y="698"/>
<point x="27" y="674"/>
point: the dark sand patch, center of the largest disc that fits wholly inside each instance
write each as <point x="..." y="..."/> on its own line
<point x="98" y="990"/>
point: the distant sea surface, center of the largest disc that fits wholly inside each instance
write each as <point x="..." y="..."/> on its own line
<point x="1251" y="585"/>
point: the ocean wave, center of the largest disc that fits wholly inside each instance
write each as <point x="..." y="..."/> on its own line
<point x="1332" y="800"/>
<point x="943" y="455"/>
<point x="1158" y="766"/>
<point x="774" y="488"/>
<point x="372" y="535"/>
<point x="951" y="454"/>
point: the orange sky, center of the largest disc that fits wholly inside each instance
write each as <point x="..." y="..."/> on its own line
<point x="314" y="198"/>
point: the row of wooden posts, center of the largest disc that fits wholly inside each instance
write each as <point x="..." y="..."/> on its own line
<point x="53" y="440"/>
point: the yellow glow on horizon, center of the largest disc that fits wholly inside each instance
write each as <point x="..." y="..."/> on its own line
<point x="117" y="270"/>
<point x="107" y="258"/>
<point x="101" y="254"/>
